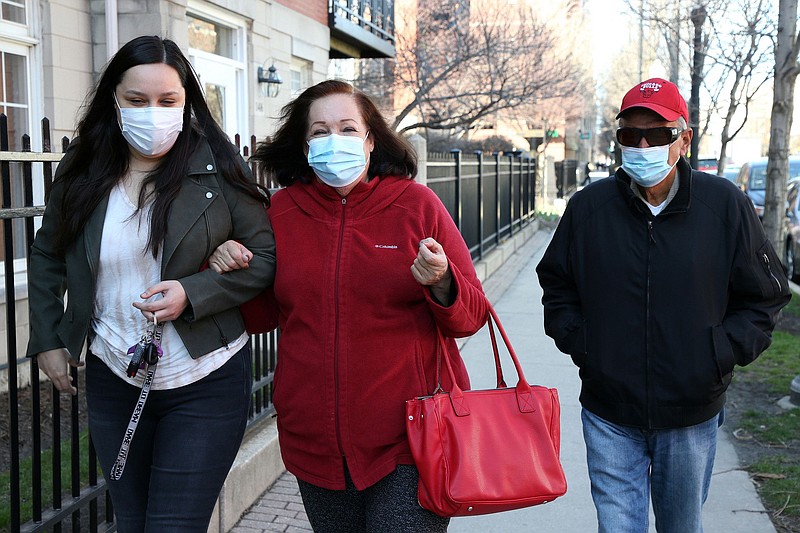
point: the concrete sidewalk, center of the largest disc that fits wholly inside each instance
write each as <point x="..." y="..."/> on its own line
<point x="733" y="505"/>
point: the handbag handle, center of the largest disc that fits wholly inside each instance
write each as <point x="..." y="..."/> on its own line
<point x="523" y="388"/>
<point x="498" y="368"/>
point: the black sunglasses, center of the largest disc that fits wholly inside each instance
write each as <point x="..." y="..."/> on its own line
<point x="654" y="136"/>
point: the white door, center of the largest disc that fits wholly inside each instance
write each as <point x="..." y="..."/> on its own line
<point x="219" y="81"/>
<point x="216" y="50"/>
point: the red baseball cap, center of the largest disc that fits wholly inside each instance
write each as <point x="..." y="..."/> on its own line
<point x="658" y="95"/>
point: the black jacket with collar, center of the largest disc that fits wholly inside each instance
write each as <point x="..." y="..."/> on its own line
<point x="657" y="310"/>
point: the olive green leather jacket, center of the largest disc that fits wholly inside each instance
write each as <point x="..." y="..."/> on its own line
<point x="206" y="212"/>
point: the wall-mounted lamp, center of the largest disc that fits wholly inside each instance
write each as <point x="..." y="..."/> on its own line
<point x="269" y="80"/>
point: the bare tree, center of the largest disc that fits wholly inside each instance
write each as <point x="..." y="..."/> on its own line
<point x="459" y="67"/>
<point x="666" y="21"/>
<point x="787" y="68"/>
<point x="734" y="53"/>
<point x="741" y="53"/>
<point x="670" y="18"/>
<point x="622" y="74"/>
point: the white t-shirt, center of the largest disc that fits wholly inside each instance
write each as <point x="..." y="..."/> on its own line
<point x="656" y="209"/>
<point x="126" y="269"/>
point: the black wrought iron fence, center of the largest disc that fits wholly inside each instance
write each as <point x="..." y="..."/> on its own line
<point x="489" y="197"/>
<point x="566" y="177"/>
<point x="47" y="461"/>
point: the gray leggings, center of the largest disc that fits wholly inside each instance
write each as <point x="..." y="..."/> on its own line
<point x="388" y="506"/>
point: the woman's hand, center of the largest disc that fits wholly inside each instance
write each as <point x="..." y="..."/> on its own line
<point x="54" y="365"/>
<point x="169" y="307"/>
<point x="230" y="255"/>
<point x="431" y="268"/>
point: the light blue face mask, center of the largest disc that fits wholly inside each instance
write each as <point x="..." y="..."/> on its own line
<point x="647" y="166"/>
<point x="338" y="160"/>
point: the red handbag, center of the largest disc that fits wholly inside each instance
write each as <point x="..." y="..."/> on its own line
<point x="486" y="451"/>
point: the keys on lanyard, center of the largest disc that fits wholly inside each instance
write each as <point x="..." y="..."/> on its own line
<point x="145" y="352"/>
<point x="148" y="350"/>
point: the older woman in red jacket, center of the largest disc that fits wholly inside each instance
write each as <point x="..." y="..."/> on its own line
<point x="370" y="264"/>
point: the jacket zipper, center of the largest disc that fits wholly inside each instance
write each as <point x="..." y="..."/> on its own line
<point x="93" y="273"/>
<point x="90" y="260"/>
<point x="769" y="270"/>
<point x="222" y="337"/>
<point x="336" y="333"/>
<point x="652" y="240"/>
<point x="208" y="234"/>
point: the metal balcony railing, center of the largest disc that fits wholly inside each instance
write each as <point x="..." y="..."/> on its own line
<point x="365" y="27"/>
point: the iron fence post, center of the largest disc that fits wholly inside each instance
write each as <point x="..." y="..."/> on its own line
<point x="511" y="195"/>
<point x="520" y="188"/>
<point x="457" y="157"/>
<point x="11" y="341"/>
<point x="531" y="188"/>
<point x="497" y="196"/>
<point x="479" y="153"/>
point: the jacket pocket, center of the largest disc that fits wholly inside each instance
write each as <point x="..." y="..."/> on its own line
<point x="723" y="354"/>
<point x="574" y="343"/>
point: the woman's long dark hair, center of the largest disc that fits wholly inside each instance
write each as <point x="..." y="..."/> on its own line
<point x="102" y="153"/>
<point x="282" y="155"/>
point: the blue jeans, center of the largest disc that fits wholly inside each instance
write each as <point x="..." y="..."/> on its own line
<point x="626" y="463"/>
<point x="185" y="444"/>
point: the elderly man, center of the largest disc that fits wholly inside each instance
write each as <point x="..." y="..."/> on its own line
<point x="657" y="283"/>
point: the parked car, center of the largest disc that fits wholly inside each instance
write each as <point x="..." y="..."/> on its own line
<point x="791" y="249"/>
<point x="730" y="172"/>
<point x="707" y="164"/>
<point x="752" y="179"/>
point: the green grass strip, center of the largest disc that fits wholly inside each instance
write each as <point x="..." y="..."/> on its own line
<point x="26" y="485"/>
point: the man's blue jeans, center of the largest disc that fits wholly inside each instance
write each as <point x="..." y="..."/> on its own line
<point x="183" y="448"/>
<point x="626" y="464"/>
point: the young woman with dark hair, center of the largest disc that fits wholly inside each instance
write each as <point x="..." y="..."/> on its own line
<point x="148" y="189"/>
<point x="371" y="265"/>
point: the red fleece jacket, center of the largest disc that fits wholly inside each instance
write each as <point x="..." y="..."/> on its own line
<point x="358" y="334"/>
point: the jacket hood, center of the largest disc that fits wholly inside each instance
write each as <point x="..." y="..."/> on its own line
<point x="321" y="201"/>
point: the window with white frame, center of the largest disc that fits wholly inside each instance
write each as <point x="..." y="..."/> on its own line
<point x="300" y="72"/>
<point x="217" y="52"/>
<point x="16" y="53"/>
<point x="13" y="11"/>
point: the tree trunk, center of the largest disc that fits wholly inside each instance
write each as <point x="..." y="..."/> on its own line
<point x="786" y="70"/>
<point x="698" y="19"/>
<point x="723" y="154"/>
<point x="675" y="46"/>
